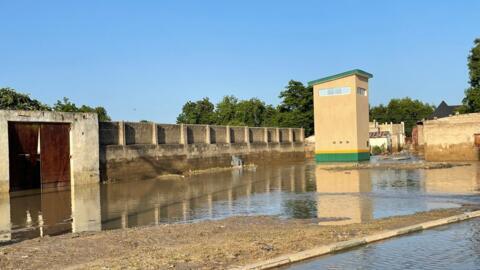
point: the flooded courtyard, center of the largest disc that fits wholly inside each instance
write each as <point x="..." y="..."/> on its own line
<point x="301" y="191"/>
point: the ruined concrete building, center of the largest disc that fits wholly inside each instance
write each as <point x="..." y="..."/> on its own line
<point x="454" y="138"/>
<point x="395" y="132"/>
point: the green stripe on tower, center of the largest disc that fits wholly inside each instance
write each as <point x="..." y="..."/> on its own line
<point x="342" y="157"/>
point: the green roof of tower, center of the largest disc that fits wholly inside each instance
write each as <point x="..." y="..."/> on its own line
<point x="358" y="72"/>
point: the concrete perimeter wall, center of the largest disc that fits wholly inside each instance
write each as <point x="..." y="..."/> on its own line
<point x="146" y="150"/>
<point x="451" y="138"/>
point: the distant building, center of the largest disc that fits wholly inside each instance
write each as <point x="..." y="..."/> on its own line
<point x="381" y="139"/>
<point x="444" y="110"/>
<point x="395" y="131"/>
<point x="341" y="116"/>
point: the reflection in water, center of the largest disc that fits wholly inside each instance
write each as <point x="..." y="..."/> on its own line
<point x="86" y="215"/>
<point x="339" y="201"/>
<point x="30" y="214"/>
<point x="299" y="191"/>
<point x="5" y="223"/>
<point x="454" y="180"/>
<point x="199" y="197"/>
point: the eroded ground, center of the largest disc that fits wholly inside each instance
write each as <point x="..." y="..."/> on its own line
<point x="204" y="245"/>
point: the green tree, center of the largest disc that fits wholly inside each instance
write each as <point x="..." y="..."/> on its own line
<point x="406" y="109"/>
<point x="250" y="112"/>
<point x="471" y="102"/>
<point x="11" y="100"/>
<point x="101" y="112"/>
<point x="199" y="112"/>
<point x="225" y="110"/>
<point x="65" y="105"/>
<point x="296" y="108"/>
<point x="271" y="117"/>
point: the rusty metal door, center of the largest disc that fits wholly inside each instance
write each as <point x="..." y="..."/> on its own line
<point x="23" y="154"/>
<point x="55" y="155"/>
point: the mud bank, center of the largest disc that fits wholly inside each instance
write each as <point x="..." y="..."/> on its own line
<point x="205" y="245"/>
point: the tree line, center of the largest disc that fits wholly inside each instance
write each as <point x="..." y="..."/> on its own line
<point x="295" y="110"/>
<point x="296" y="107"/>
<point x="10" y="99"/>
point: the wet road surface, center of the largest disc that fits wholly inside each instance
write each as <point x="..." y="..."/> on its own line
<point x="454" y="246"/>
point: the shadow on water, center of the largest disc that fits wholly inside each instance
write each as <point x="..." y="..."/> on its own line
<point x="288" y="191"/>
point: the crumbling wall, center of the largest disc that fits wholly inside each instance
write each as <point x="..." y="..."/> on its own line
<point x="257" y="135"/>
<point x="218" y="134"/>
<point x="284" y="135"/>
<point x="108" y="133"/>
<point x="196" y="134"/>
<point x="451" y="138"/>
<point x="168" y="134"/>
<point x="237" y="134"/>
<point x="138" y="133"/>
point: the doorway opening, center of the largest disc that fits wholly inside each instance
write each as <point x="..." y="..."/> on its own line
<point x="39" y="155"/>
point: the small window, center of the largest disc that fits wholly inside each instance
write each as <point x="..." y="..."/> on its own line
<point x="361" y="91"/>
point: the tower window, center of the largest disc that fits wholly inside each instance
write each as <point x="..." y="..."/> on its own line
<point x="361" y="91"/>
<point x="337" y="91"/>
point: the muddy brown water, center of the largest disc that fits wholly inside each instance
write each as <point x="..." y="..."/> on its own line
<point x="300" y="190"/>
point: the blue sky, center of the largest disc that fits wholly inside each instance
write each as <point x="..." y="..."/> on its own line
<point x="145" y="59"/>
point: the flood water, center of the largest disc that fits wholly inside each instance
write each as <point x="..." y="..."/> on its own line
<point x="301" y="190"/>
<point x="455" y="246"/>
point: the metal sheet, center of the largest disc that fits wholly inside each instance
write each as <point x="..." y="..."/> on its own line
<point x="55" y="155"/>
<point x="23" y="154"/>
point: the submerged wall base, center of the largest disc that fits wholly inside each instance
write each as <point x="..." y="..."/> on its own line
<point x="131" y="162"/>
<point x="342" y="157"/>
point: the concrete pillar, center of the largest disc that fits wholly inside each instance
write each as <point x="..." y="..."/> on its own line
<point x="183" y="134"/>
<point x="154" y="134"/>
<point x="265" y="135"/>
<point x="228" y="138"/>
<point x="122" y="140"/>
<point x="208" y="139"/>
<point x="302" y="134"/>
<point x="247" y="135"/>
<point x="277" y="135"/>
<point x="290" y="135"/>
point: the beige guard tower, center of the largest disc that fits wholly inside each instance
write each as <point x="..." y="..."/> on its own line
<point x="341" y="117"/>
